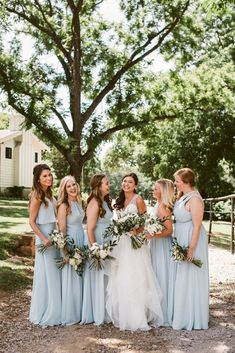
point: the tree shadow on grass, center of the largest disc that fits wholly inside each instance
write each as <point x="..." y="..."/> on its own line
<point x="14" y="212"/>
<point x="12" y="279"/>
<point x="14" y="203"/>
<point x="8" y="245"/>
<point x="222" y="303"/>
<point x="8" y="225"/>
<point x="220" y="240"/>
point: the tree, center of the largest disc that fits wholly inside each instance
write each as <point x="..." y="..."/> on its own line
<point x="98" y="62"/>
<point x="200" y="91"/>
<point x="202" y="139"/>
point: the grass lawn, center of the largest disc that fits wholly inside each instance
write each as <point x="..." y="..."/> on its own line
<point x="13" y="221"/>
<point x="221" y="233"/>
<point x="14" y="216"/>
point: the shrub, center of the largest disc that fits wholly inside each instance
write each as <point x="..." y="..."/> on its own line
<point x="222" y="210"/>
<point x="15" y="191"/>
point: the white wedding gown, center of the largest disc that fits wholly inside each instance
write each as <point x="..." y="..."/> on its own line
<point x="133" y="294"/>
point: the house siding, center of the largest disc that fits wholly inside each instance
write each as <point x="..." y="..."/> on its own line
<point x="19" y="170"/>
<point x="7" y="165"/>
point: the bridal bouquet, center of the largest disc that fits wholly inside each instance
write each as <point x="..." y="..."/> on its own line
<point x="99" y="253"/>
<point x="179" y="253"/>
<point x="151" y="225"/>
<point x="123" y="224"/>
<point x="77" y="259"/>
<point x="58" y="239"/>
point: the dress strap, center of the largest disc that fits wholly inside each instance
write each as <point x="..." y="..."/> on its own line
<point x="188" y="196"/>
<point x="133" y="200"/>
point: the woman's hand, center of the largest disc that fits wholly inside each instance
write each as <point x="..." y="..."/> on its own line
<point x="66" y="260"/>
<point x="190" y="254"/>
<point x="133" y="232"/>
<point x="148" y="236"/>
<point x="47" y="242"/>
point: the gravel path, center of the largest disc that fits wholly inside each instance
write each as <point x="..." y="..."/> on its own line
<point x="19" y="336"/>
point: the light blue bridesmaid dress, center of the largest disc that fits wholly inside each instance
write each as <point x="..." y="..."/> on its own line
<point x="95" y="281"/>
<point x="46" y="294"/>
<point x="160" y="256"/>
<point x="71" y="311"/>
<point x="188" y="300"/>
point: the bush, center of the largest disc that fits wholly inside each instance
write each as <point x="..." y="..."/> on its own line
<point x="222" y="210"/>
<point x="15" y="191"/>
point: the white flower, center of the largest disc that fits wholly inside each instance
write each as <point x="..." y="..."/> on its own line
<point x="77" y="256"/>
<point x="78" y="261"/>
<point x="103" y="254"/>
<point x="72" y="262"/>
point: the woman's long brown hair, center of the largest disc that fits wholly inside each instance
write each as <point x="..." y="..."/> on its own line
<point x="95" y="183"/>
<point x="37" y="190"/>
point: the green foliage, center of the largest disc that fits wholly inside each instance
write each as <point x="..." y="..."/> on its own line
<point x="201" y="135"/>
<point x="59" y="164"/>
<point x="4" y="121"/>
<point x="222" y="210"/>
<point x="15" y="191"/>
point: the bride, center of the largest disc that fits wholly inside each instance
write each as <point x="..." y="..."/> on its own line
<point x="133" y="294"/>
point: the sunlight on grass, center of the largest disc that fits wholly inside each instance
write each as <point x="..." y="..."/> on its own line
<point x="14" y="216"/>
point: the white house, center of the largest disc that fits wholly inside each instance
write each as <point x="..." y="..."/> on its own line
<point x="20" y="151"/>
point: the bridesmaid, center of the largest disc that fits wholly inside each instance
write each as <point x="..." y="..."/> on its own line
<point x="46" y="295"/>
<point x="70" y="217"/>
<point x="189" y="285"/>
<point x="99" y="214"/>
<point x="160" y="243"/>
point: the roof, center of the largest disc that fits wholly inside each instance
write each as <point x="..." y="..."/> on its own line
<point x="6" y="135"/>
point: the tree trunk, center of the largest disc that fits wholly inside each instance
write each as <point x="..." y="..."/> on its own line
<point x="76" y="170"/>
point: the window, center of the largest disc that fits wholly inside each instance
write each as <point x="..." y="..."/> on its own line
<point x="36" y="157"/>
<point x="8" y="153"/>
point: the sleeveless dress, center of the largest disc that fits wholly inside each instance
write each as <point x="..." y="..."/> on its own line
<point x="46" y="294"/>
<point x="133" y="293"/>
<point x="95" y="281"/>
<point x="160" y="256"/>
<point x="188" y="301"/>
<point x="72" y="283"/>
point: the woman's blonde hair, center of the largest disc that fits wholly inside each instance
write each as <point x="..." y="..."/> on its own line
<point x="167" y="192"/>
<point x="63" y="195"/>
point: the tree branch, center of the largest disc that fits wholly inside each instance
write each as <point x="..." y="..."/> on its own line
<point x="50" y="32"/>
<point x="135" y="124"/>
<point x="131" y="62"/>
<point x="62" y="121"/>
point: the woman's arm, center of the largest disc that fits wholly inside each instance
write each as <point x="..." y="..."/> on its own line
<point x="92" y="213"/>
<point x="141" y="205"/>
<point x="62" y="218"/>
<point x="62" y="222"/>
<point x="196" y="208"/>
<point x="33" y="213"/>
